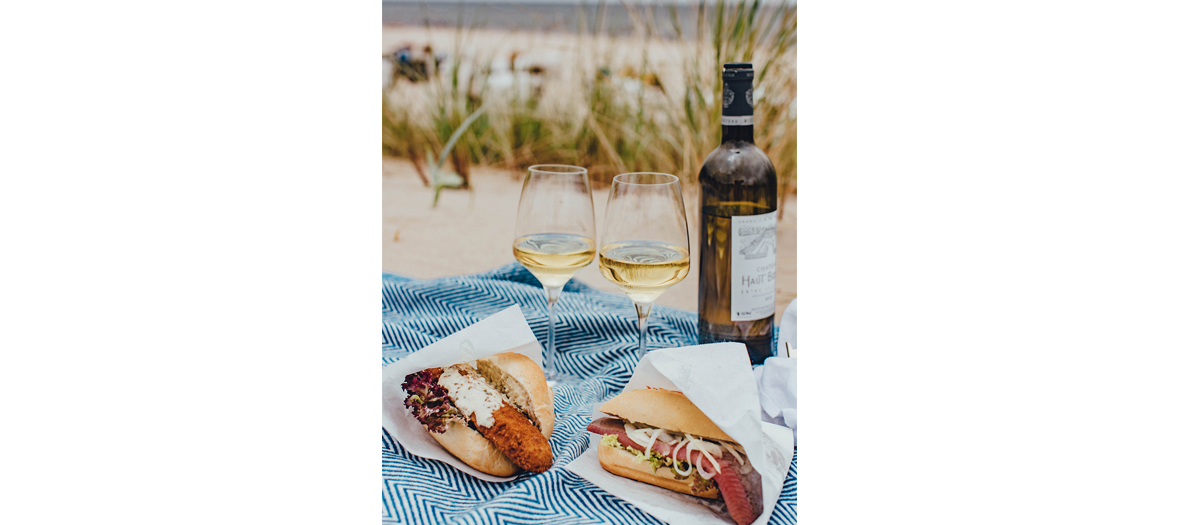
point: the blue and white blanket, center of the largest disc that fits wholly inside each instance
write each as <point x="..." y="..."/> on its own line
<point x="597" y="336"/>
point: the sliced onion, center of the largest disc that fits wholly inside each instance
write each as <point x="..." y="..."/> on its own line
<point x="701" y="471"/>
<point x="694" y="444"/>
<point x="638" y="435"/>
<point x="647" y="451"/>
<point x="699" y="445"/>
<point x="713" y="448"/>
<point x="734" y="452"/>
<point x="676" y="464"/>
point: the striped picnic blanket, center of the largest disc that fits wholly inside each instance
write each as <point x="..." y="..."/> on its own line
<point x="597" y="337"/>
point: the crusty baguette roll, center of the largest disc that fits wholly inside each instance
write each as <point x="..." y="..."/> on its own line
<point x="622" y="463"/>
<point x="523" y="384"/>
<point x="666" y="409"/>
<point x="473" y="449"/>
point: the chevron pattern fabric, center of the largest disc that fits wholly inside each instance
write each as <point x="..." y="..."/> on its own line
<point x="597" y="336"/>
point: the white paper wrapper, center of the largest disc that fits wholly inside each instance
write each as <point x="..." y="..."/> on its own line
<point x="506" y="331"/>
<point x="778" y="388"/>
<point x="719" y="380"/>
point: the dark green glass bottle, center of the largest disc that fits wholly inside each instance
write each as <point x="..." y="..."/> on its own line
<point x="739" y="206"/>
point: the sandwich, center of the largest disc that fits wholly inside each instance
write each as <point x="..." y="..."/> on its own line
<point x="659" y="437"/>
<point x="495" y="416"/>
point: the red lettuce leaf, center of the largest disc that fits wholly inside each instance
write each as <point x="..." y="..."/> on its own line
<point x="428" y="401"/>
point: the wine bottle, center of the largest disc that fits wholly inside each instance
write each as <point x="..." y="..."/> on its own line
<point x="738" y="227"/>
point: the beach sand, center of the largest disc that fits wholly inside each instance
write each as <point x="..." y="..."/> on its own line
<point x="555" y="52"/>
<point x="472" y="232"/>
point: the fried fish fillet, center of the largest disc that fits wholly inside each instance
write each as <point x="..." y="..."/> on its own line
<point x="510" y="431"/>
<point x="518" y="439"/>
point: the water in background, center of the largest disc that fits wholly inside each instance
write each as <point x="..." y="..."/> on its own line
<point x="551" y="17"/>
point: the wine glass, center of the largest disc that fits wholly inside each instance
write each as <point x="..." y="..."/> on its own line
<point x="644" y="246"/>
<point x="554" y="237"/>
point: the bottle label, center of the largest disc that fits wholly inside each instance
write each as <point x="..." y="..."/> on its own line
<point x="752" y="265"/>
<point x="737" y="98"/>
<point x="747" y="120"/>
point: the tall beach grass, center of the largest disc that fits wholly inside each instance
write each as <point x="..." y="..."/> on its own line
<point x="643" y="102"/>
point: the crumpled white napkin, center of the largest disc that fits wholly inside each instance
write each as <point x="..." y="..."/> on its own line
<point x="777" y="378"/>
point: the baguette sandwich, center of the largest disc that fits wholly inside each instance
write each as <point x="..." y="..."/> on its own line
<point x="496" y="416"/>
<point x="659" y="437"/>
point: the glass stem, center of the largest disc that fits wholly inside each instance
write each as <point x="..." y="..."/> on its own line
<point x="643" y="310"/>
<point x="550" y="357"/>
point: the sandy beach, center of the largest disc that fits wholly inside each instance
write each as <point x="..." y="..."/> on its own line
<point x="472" y="231"/>
<point x="551" y="50"/>
<point x="555" y="52"/>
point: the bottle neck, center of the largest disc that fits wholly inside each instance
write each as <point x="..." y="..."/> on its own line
<point x="737" y="133"/>
<point x="737" y="107"/>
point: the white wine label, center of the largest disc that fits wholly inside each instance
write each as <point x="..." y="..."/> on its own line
<point x="747" y="120"/>
<point x="752" y="264"/>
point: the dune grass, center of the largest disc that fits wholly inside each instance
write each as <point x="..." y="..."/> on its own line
<point x="616" y="107"/>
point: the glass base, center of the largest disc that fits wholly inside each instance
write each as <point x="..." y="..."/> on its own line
<point x="560" y="379"/>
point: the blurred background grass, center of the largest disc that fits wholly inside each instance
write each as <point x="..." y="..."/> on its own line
<point x="645" y="101"/>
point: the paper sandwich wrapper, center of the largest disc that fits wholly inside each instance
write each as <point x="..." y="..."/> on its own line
<point x="719" y="380"/>
<point x="506" y="331"/>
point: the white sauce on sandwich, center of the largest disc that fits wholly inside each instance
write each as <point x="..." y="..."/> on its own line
<point x="472" y="394"/>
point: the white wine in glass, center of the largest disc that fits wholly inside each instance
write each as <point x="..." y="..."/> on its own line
<point x="554" y="237"/>
<point x="553" y="258"/>
<point x="643" y="269"/>
<point x="644" y="246"/>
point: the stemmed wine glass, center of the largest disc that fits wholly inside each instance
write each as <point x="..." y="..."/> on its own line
<point x="554" y="236"/>
<point x="644" y="246"/>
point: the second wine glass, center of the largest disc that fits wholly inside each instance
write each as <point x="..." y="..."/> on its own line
<point x="644" y="248"/>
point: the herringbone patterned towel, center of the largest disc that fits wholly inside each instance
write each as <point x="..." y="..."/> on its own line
<point x="596" y="337"/>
